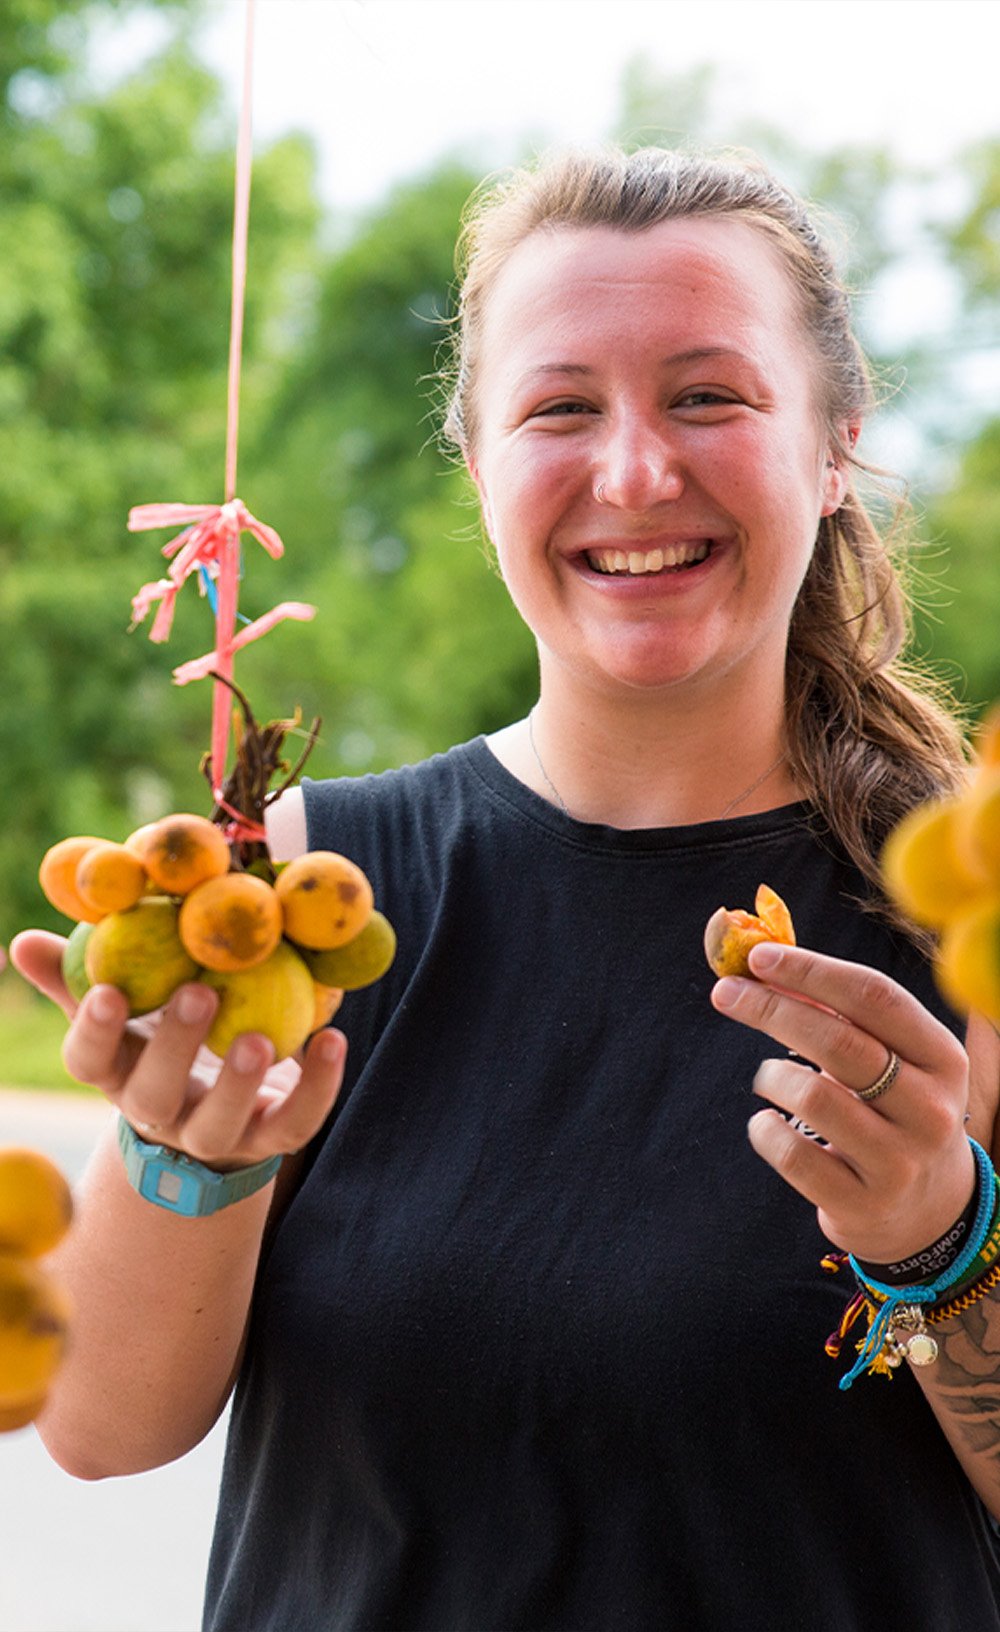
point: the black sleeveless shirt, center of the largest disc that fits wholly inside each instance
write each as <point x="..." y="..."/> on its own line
<point x="539" y="1343"/>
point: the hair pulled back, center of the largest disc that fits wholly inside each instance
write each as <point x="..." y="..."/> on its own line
<point x="868" y="736"/>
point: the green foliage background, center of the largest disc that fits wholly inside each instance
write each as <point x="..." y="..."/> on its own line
<point x="116" y="220"/>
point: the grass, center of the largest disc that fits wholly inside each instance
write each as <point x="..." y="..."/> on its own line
<point x="31" y="1034"/>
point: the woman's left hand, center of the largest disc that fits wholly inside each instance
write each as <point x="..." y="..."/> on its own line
<point x="895" y="1172"/>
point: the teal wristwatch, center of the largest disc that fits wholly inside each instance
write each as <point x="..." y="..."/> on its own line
<point x="177" y="1182"/>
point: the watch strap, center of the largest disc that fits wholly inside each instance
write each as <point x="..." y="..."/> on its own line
<point x="168" y="1178"/>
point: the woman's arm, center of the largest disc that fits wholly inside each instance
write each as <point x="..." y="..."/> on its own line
<point x="161" y="1301"/>
<point x="895" y="1173"/>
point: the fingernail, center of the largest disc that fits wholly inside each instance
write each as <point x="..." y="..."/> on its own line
<point x="103" y="1005"/>
<point x="765" y="956"/>
<point x="192" y="1005"/>
<point x="327" y="1046"/>
<point x="247" y="1054"/>
<point x="727" y="992"/>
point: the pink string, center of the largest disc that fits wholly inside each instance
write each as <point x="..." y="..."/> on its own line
<point x="211" y="541"/>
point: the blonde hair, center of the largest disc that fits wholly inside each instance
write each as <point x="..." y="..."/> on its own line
<point x="868" y="735"/>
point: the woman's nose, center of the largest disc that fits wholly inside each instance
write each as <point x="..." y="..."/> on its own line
<point x="638" y="469"/>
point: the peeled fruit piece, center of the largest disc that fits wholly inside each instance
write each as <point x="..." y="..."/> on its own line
<point x="179" y="852"/>
<point x="923" y="867"/>
<point x="57" y="876"/>
<point x="231" y="923"/>
<point x="140" y="952"/>
<point x="327" y="1000"/>
<point x="274" y="998"/>
<point x="74" y="972"/>
<point x="730" y="934"/>
<point x="326" y="899"/>
<point x="34" y="1319"/>
<point x="36" y="1204"/>
<point x="968" y="960"/>
<point x="361" y="962"/>
<point x="109" y="878"/>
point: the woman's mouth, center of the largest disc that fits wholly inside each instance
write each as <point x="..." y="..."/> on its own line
<point x="634" y="563"/>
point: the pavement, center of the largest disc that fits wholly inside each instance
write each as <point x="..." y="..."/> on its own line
<point x="120" y="1555"/>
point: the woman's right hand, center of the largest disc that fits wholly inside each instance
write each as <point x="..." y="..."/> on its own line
<point x="172" y="1090"/>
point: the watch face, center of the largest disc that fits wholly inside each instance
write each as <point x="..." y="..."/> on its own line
<point x="168" y="1186"/>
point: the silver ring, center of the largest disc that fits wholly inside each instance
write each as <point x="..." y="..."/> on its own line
<point x="882" y="1083"/>
<point x="598" y="492"/>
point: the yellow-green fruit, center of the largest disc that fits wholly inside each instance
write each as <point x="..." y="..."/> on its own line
<point x="977" y="826"/>
<point x="74" y="972"/>
<point x="34" y="1319"/>
<point x="275" y="998"/>
<point x="140" y="952"/>
<point x="359" y="963"/>
<point x="968" y="960"/>
<point x="923" y="869"/>
<point x="36" y="1204"/>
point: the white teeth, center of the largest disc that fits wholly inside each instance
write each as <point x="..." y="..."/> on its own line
<point x="637" y="562"/>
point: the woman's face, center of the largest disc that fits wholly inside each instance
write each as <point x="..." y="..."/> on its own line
<point x="650" y="456"/>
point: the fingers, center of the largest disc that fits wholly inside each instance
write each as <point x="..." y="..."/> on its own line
<point x="847" y="1020"/>
<point x="288" y="1122"/>
<point x="37" y="956"/>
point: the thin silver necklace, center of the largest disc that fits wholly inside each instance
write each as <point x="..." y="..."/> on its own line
<point x="560" y="801"/>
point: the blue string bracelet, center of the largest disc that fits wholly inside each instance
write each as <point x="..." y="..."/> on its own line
<point x="901" y="1307"/>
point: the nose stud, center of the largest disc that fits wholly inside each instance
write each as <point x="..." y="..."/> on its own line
<point x="599" y="493"/>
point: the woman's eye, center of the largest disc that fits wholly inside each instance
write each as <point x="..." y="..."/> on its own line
<point x="705" y="399"/>
<point x="560" y="409"/>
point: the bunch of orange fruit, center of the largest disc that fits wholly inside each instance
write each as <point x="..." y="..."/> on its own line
<point x="942" y="866"/>
<point x="169" y="906"/>
<point x="35" y="1213"/>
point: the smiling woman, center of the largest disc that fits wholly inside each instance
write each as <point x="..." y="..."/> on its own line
<point x="527" y="1337"/>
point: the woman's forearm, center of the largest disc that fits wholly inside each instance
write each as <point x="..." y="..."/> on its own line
<point x="962" y="1387"/>
<point x="160" y="1308"/>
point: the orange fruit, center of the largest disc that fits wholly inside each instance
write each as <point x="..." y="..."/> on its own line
<point x="34" y="1320"/>
<point x="328" y="1000"/>
<point x="730" y="934"/>
<point x="977" y="827"/>
<point x="230" y="923"/>
<point x="57" y="876"/>
<point x="326" y="900"/>
<point x="361" y="961"/>
<point x="109" y="878"/>
<point x="36" y="1204"/>
<point x="181" y="851"/>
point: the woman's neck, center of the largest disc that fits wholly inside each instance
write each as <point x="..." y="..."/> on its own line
<point x="645" y="762"/>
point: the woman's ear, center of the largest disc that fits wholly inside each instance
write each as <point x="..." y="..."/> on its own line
<point x="834" y="486"/>
<point x="484" y="503"/>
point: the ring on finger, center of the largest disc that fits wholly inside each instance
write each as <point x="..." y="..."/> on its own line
<point x="882" y="1084"/>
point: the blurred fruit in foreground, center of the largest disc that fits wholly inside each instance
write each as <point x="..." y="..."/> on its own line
<point x="34" y="1323"/>
<point x="36" y="1204"/>
<point x="36" y="1210"/>
<point x="731" y="933"/>
<point x="941" y="866"/>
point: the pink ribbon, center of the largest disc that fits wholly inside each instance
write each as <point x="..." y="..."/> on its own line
<point x="211" y="540"/>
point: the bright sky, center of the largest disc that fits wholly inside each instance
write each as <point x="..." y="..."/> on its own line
<point x="385" y="86"/>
